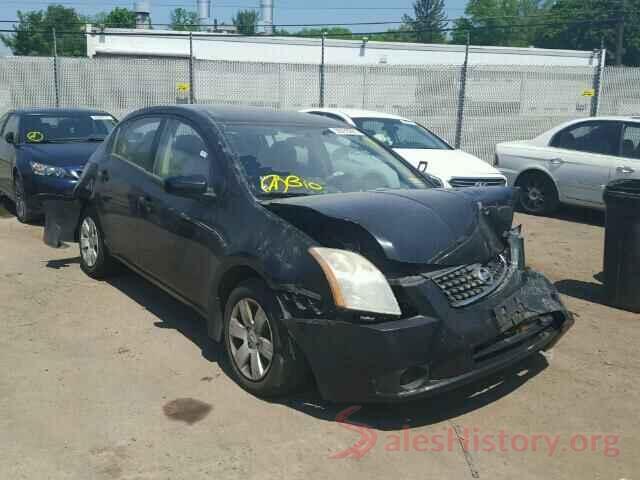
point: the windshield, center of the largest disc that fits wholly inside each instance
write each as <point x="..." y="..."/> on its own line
<point x="401" y="133"/>
<point x="63" y="128"/>
<point x="283" y="160"/>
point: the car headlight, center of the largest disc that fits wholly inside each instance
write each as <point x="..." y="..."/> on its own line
<point x="356" y="284"/>
<point x="48" y="170"/>
<point x="437" y="180"/>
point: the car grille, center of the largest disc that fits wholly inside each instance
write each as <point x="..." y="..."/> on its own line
<point x="469" y="283"/>
<point x="477" y="182"/>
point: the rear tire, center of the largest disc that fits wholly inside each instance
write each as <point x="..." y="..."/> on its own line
<point x="538" y="194"/>
<point x="24" y="213"/>
<point x="264" y="359"/>
<point x="95" y="259"/>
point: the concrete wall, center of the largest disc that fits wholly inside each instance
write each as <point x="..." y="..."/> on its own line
<point x="308" y="51"/>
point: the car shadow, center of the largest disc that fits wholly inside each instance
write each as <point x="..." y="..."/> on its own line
<point x="171" y="313"/>
<point x="589" y="291"/>
<point x="174" y="315"/>
<point x="62" y="262"/>
<point x="424" y="412"/>
<point x="587" y="216"/>
<point x="6" y="207"/>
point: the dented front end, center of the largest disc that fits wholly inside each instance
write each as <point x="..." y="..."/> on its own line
<point x="469" y="304"/>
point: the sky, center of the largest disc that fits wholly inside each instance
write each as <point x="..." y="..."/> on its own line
<point x="287" y="12"/>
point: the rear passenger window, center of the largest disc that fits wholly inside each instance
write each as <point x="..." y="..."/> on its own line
<point x="631" y="141"/>
<point x="592" y="137"/>
<point x="181" y="152"/>
<point x="135" y="142"/>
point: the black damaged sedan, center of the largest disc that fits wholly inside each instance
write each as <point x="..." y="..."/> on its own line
<point x="312" y="251"/>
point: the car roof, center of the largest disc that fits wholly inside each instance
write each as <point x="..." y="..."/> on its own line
<point x="56" y="111"/>
<point x="355" y="113"/>
<point x="240" y="114"/>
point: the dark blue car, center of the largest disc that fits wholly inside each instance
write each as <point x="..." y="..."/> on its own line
<point x="44" y="151"/>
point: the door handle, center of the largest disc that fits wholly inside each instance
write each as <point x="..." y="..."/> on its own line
<point x="625" y="170"/>
<point x="104" y="175"/>
<point x="556" y="161"/>
<point x="145" y="204"/>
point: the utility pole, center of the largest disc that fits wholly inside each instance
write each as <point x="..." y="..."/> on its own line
<point x="620" y="34"/>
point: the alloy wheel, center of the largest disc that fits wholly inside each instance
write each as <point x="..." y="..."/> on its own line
<point x="534" y="197"/>
<point x="250" y="339"/>
<point x="89" y="242"/>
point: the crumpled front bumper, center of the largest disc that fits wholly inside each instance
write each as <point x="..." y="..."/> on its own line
<point x="439" y="349"/>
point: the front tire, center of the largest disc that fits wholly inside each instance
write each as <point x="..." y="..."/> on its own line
<point x="95" y="260"/>
<point x="538" y="194"/>
<point x="264" y="359"/>
<point x="24" y="213"/>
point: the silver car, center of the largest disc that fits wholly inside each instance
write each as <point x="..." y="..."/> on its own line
<point x="572" y="163"/>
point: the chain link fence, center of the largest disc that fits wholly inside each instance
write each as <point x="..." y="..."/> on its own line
<point x="500" y="103"/>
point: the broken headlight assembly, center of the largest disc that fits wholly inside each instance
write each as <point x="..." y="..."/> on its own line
<point x="356" y="284"/>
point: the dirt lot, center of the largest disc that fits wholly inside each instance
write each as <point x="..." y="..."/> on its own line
<point x="116" y="380"/>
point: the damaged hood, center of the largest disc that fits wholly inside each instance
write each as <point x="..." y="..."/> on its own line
<point x="434" y="226"/>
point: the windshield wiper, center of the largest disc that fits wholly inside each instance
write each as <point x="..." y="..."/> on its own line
<point x="266" y="196"/>
<point x="75" y="139"/>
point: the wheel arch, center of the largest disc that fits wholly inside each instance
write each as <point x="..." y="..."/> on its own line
<point x="222" y="287"/>
<point x="537" y="170"/>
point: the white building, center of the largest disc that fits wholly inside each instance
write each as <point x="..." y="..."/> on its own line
<point x="166" y="43"/>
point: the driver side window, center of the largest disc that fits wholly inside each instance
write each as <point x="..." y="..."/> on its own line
<point x="181" y="152"/>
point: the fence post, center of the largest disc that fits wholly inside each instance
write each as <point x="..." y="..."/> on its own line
<point x="55" y="67"/>
<point x="462" y="93"/>
<point x="324" y="34"/>
<point x="597" y="82"/>
<point x="191" y="76"/>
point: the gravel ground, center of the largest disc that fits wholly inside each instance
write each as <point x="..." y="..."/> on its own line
<point x="116" y="380"/>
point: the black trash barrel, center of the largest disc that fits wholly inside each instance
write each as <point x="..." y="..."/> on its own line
<point x="622" y="244"/>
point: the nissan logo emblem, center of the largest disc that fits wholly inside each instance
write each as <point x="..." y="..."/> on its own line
<point x="483" y="274"/>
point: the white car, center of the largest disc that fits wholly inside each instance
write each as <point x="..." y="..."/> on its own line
<point x="572" y="163"/>
<point x="420" y="147"/>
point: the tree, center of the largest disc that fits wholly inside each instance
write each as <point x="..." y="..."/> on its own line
<point x="500" y="22"/>
<point x="183" y="19"/>
<point x="404" y="33"/>
<point x="33" y="35"/>
<point x="246" y="21"/>
<point x="569" y="28"/>
<point x="430" y="21"/>
<point x="331" y="32"/>
<point x="117" y="18"/>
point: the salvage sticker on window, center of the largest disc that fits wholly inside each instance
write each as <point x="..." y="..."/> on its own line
<point x="35" y="137"/>
<point x="346" y="131"/>
<point x="276" y="183"/>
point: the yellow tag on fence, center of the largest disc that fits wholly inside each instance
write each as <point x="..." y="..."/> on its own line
<point x="589" y="92"/>
<point x="182" y="87"/>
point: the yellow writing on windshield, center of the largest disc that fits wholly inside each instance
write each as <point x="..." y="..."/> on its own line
<point x="276" y="183"/>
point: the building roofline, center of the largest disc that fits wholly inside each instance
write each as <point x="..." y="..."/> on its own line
<point x="222" y="37"/>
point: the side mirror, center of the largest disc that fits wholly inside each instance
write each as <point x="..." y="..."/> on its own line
<point x="10" y="138"/>
<point x="188" y="186"/>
